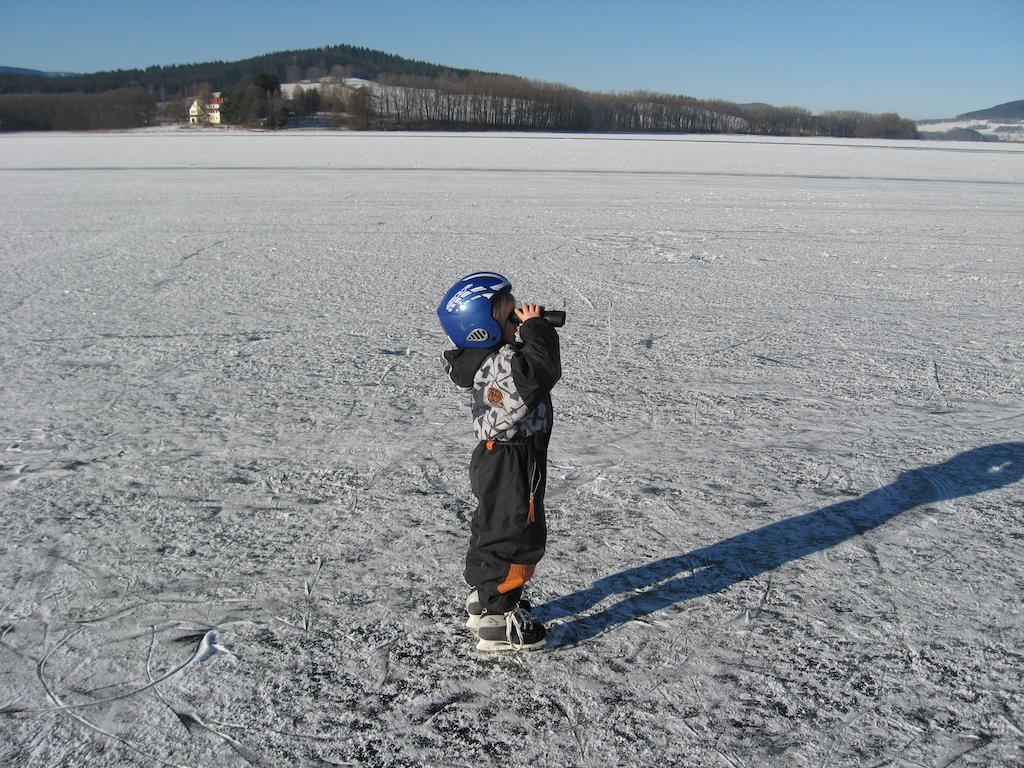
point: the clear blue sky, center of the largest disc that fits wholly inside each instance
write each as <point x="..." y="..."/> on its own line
<point x="921" y="58"/>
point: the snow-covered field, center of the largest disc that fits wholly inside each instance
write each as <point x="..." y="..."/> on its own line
<point x="786" y="488"/>
<point x="1002" y="130"/>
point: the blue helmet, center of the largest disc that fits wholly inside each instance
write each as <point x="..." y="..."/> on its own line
<point x="465" y="311"/>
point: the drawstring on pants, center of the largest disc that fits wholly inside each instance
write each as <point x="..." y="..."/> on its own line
<point x="531" y="516"/>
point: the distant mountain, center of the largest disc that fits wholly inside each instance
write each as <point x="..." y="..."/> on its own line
<point x="19" y="71"/>
<point x="31" y="72"/>
<point x="1011" y="110"/>
<point x="219" y="75"/>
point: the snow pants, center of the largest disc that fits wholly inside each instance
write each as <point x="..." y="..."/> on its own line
<point x="508" y="532"/>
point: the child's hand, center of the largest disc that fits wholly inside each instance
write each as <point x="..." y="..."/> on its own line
<point x="527" y="312"/>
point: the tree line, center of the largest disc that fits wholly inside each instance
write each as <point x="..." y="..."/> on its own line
<point x="451" y="100"/>
<point x="118" y="109"/>
<point x="489" y="102"/>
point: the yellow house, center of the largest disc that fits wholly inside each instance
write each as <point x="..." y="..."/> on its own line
<point x="213" y="108"/>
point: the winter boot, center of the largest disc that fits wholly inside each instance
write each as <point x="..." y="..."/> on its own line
<point x="512" y="631"/>
<point x="473" y="609"/>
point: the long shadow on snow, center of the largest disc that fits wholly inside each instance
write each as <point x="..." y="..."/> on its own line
<point x="749" y="554"/>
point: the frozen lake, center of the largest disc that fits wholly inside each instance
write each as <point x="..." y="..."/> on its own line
<point x="785" y="498"/>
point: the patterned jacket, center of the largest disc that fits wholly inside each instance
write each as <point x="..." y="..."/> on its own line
<point x="511" y="383"/>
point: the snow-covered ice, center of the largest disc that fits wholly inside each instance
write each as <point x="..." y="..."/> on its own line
<point x="785" y="497"/>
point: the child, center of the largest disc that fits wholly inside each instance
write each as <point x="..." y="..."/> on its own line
<point x="511" y="383"/>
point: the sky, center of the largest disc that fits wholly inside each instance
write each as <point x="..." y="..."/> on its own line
<point x="923" y="59"/>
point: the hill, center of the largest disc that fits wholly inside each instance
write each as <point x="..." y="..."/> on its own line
<point x="1011" y="110"/>
<point x="19" y="71"/>
<point x="31" y="72"/>
<point x="218" y="75"/>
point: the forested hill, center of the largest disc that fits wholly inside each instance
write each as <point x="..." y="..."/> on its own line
<point x="288" y="66"/>
<point x="1011" y="110"/>
<point x="32" y="72"/>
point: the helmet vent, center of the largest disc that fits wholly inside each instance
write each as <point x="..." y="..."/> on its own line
<point x="478" y="334"/>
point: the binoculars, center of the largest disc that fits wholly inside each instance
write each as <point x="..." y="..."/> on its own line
<point x="554" y="316"/>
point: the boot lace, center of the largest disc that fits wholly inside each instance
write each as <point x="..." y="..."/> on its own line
<point x="516" y="623"/>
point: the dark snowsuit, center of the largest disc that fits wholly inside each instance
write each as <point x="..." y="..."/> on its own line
<point x="512" y="418"/>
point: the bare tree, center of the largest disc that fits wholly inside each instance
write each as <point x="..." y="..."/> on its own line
<point x="340" y="73"/>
